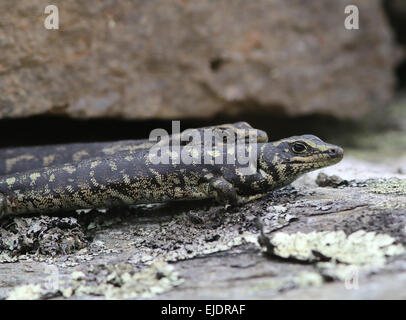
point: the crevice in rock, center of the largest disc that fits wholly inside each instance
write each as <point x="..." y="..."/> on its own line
<point x="216" y="64"/>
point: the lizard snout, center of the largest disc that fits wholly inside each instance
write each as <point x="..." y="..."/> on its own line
<point x="336" y="152"/>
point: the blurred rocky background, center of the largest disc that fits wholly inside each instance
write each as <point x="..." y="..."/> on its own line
<point x="186" y="59"/>
<point x="118" y="68"/>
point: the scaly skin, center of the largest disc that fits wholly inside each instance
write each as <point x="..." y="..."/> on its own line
<point x="131" y="178"/>
<point x="22" y="159"/>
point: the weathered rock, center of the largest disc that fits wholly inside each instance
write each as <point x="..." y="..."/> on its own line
<point x="334" y="181"/>
<point x="359" y="240"/>
<point x="177" y="59"/>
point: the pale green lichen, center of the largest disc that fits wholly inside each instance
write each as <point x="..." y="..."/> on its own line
<point x="6" y="257"/>
<point x="26" y="292"/>
<point x="359" y="248"/>
<point x="345" y="272"/>
<point x="391" y="186"/>
<point x="123" y="283"/>
<point x="306" y="279"/>
<point x="349" y="255"/>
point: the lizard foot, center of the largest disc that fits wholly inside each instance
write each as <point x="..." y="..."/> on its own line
<point x="244" y="200"/>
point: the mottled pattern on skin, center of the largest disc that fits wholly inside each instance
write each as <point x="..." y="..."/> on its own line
<point x="131" y="178"/>
<point x="22" y="159"/>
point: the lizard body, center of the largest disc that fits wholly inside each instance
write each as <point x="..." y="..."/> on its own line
<point x="132" y="177"/>
<point x="20" y="159"/>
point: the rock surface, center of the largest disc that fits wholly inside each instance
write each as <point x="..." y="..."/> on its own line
<point x="215" y="253"/>
<point x="184" y="59"/>
<point x="342" y="235"/>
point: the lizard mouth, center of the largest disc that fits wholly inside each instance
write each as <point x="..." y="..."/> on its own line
<point x="329" y="157"/>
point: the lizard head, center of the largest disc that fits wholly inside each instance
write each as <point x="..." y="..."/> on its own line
<point x="288" y="158"/>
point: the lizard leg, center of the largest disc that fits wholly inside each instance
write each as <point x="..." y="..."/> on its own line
<point x="223" y="191"/>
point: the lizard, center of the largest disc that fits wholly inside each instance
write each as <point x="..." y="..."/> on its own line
<point x="19" y="159"/>
<point x="134" y="178"/>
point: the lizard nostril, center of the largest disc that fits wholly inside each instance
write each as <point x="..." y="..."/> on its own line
<point x="336" y="151"/>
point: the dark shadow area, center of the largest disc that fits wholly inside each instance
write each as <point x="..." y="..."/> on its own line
<point x="55" y="130"/>
<point x="396" y="13"/>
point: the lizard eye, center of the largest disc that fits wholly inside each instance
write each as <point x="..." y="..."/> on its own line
<point x="298" y="147"/>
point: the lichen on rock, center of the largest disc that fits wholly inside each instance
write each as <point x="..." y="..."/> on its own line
<point x="389" y="186"/>
<point x="359" y="248"/>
